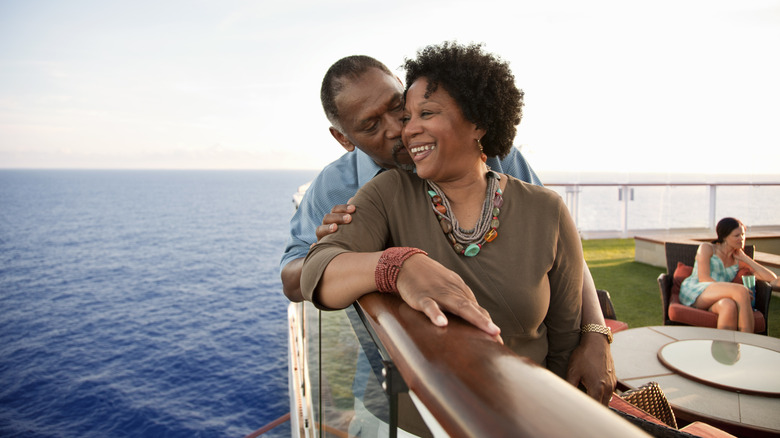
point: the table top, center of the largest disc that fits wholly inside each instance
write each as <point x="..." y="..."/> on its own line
<point x="636" y="356"/>
<point x="733" y="366"/>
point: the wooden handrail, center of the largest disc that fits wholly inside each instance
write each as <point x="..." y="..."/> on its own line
<point x="475" y="386"/>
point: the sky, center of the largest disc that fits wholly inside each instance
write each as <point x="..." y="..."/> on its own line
<point x="632" y="86"/>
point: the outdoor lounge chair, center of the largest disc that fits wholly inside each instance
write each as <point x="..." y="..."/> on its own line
<point x="679" y="260"/>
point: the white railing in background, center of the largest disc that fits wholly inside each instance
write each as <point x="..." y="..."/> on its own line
<point x="623" y="209"/>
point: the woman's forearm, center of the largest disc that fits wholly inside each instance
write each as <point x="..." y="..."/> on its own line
<point x="347" y="277"/>
<point x="760" y="271"/>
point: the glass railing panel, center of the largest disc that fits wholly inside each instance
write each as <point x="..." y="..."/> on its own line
<point x="371" y="403"/>
<point x="665" y="207"/>
<point x="734" y="201"/>
<point x="599" y="208"/>
<point x="338" y="356"/>
<point x="311" y="317"/>
<point x="755" y="205"/>
<point x="349" y="392"/>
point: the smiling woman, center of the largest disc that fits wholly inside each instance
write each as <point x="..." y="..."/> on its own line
<point x="433" y="236"/>
<point x="440" y="140"/>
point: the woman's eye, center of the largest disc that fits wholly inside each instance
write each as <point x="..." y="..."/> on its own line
<point x="404" y="120"/>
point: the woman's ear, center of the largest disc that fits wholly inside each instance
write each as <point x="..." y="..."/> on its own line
<point x="479" y="132"/>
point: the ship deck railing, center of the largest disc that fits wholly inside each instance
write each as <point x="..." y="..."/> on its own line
<point x="463" y="382"/>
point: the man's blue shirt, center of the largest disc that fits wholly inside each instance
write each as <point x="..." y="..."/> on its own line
<point x="341" y="179"/>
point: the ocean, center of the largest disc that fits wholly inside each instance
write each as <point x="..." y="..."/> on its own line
<point x="143" y="303"/>
<point x="148" y="303"/>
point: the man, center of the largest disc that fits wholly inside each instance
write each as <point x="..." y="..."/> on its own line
<point x="363" y="101"/>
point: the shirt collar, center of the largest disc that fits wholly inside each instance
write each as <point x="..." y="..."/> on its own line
<point x="366" y="168"/>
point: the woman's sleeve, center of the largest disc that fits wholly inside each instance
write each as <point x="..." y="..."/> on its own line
<point x="565" y="312"/>
<point x="367" y="232"/>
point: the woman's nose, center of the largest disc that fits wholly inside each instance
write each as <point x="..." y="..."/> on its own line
<point x="411" y="127"/>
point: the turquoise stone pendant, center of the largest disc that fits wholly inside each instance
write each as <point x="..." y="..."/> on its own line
<point x="471" y="250"/>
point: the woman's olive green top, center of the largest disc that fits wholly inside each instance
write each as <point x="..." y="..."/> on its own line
<point x="529" y="278"/>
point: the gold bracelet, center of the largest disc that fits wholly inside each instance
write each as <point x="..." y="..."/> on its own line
<point x="598" y="328"/>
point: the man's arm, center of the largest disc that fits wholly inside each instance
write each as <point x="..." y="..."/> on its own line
<point x="291" y="272"/>
<point x="591" y="362"/>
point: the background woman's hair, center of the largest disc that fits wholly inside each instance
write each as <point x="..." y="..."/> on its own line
<point x="482" y="85"/>
<point x="725" y="227"/>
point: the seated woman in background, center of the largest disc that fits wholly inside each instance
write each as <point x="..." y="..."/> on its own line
<point x="710" y="285"/>
<point x="503" y="254"/>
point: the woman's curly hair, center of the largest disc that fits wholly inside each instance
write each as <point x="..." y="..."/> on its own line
<point x="482" y="85"/>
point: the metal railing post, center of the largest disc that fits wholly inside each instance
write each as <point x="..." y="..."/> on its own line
<point x="393" y="385"/>
<point x="572" y="202"/>
<point x="624" y="211"/>
<point x="713" y="197"/>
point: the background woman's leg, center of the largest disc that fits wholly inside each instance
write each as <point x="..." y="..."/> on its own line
<point x="728" y="314"/>
<point x="737" y="293"/>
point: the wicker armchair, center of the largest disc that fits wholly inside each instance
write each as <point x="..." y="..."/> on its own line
<point x="676" y="313"/>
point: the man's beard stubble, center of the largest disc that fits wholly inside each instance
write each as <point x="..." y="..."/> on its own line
<point x="405" y="166"/>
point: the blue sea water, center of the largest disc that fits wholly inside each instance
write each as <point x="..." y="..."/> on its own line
<point x="143" y="303"/>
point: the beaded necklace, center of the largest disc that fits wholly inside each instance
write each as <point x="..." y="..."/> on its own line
<point x="469" y="242"/>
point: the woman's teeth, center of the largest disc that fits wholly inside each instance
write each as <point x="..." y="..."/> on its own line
<point x="418" y="149"/>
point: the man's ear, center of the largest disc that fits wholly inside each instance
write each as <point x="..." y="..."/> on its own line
<point x="342" y="139"/>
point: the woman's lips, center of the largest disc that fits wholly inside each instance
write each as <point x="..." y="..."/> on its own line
<point x="418" y="152"/>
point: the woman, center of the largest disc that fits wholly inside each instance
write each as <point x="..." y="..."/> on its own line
<point x="503" y="254"/>
<point x="710" y="285"/>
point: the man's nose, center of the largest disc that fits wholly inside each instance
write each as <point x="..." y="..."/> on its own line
<point x="394" y="126"/>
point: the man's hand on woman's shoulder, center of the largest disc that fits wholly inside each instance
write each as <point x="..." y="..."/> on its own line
<point x="339" y="215"/>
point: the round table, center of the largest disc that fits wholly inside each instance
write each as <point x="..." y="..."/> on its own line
<point x="725" y="378"/>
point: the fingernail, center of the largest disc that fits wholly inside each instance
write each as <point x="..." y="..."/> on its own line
<point x="346" y="218"/>
<point x="441" y="321"/>
<point x="332" y="227"/>
<point x="494" y="328"/>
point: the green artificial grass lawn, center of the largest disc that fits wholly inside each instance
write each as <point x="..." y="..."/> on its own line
<point x="633" y="286"/>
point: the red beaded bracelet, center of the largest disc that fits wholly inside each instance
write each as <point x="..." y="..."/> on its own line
<point x="389" y="265"/>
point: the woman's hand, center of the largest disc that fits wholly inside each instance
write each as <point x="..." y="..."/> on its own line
<point x="740" y="256"/>
<point x="591" y="365"/>
<point x="427" y="286"/>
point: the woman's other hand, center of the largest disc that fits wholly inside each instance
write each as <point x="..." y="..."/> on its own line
<point x="591" y="365"/>
<point x="425" y="285"/>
